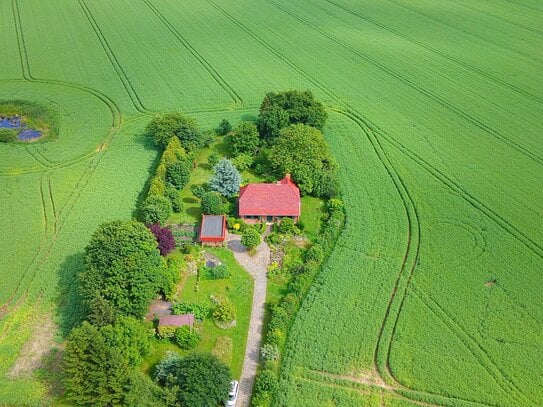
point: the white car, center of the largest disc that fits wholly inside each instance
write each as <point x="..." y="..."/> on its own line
<point x="232" y="394"/>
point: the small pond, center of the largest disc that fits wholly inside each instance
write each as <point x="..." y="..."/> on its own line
<point x="17" y="123"/>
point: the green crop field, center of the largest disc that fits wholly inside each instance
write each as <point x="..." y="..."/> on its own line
<point x="433" y="293"/>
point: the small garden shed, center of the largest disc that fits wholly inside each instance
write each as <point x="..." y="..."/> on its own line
<point x="213" y="230"/>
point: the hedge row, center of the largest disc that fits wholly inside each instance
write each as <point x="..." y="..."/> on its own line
<point x="171" y="175"/>
<point x="282" y="314"/>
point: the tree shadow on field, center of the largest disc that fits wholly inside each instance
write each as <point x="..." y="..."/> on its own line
<point x="249" y="117"/>
<point x="70" y="309"/>
<point x="148" y="144"/>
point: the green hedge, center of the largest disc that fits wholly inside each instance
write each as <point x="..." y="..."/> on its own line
<point x="174" y="166"/>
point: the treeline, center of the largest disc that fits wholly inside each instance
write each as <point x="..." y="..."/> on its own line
<point x="287" y="138"/>
<point x="127" y="265"/>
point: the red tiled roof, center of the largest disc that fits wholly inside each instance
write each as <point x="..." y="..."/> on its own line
<point x="280" y="199"/>
<point x="176" y="320"/>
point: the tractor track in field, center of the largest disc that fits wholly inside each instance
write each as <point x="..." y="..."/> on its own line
<point x="505" y="20"/>
<point x="413" y="85"/>
<point x="524" y="6"/>
<point x="27" y="76"/>
<point x="361" y="383"/>
<point x="395" y="304"/>
<point x="51" y="216"/>
<point x="528" y="242"/>
<point x="356" y="117"/>
<point x="440" y="22"/>
<point x="442" y="54"/>
<point x="359" y="386"/>
<point x="121" y="74"/>
<point x="478" y="352"/>
<point x="234" y="95"/>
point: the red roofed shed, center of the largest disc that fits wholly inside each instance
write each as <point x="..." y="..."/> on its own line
<point x="269" y="202"/>
<point x="213" y="229"/>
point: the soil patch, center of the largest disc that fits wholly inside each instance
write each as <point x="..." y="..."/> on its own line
<point x="34" y="351"/>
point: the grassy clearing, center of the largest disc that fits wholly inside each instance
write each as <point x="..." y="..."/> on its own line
<point x="239" y="289"/>
<point x="201" y="174"/>
<point x="312" y="212"/>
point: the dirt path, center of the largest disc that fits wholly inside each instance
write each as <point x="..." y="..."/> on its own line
<point x="256" y="266"/>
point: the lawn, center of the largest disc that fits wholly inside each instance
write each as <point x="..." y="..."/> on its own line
<point x="312" y="212"/>
<point x="201" y="174"/>
<point x="239" y="289"/>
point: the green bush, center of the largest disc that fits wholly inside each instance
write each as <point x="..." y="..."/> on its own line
<point x="287" y="227"/>
<point x="225" y="311"/>
<point x="266" y="381"/>
<point x="199" y="190"/>
<point x="250" y="238"/>
<point x="280" y="318"/>
<point x="215" y="273"/>
<point x="224" y="127"/>
<point x="243" y="161"/>
<point x="175" y="198"/>
<point x="200" y="310"/>
<point x="244" y="139"/>
<point x="186" y="337"/>
<point x="166" y="332"/>
<point x="315" y="254"/>
<point x="213" y="159"/>
<point x="8" y="135"/>
<point x="156" y="209"/>
<point x="177" y="173"/>
<point x="164" y="127"/>
<point x="269" y="351"/>
<point x="276" y="336"/>
<point x="278" y="110"/>
<point x="212" y="203"/>
<point x="334" y="205"/>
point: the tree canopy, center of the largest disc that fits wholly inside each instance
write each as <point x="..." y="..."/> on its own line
<point x="123" y="267"/>
<point x="244" y="139"/>
<point x="302" y="151"/>
<point x="163" y="127"/>
<point x="95" y="371"/>
<point x="226" y="179"/>
<point x="212" y="203"/>
<point x="278" y="110"/>
<point x="201" y="380"/>
<point x="250" y="238"/>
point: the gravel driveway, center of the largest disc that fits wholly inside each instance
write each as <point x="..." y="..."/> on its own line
<point x="257" y="267"/>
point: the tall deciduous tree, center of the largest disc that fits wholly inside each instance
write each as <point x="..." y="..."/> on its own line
<point x="278" y="110"/>
<point x="201" y="380"/>
<point x="244" y="139"/>
<point x="302" y="151"/>
<point x="165" y="126"/>
<point x="123" y="267"/>
<point x="226" y="179"/>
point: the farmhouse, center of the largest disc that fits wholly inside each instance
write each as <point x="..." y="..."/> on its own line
<point x="176" y="321"/>
<point x="270" y="202"/>
<point x="213" y="229"/>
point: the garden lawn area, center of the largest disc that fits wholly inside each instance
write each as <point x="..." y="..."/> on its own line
<point x="201" y="174"/>
<point x="239" y="289"/>
<point x="312" y="212"/>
